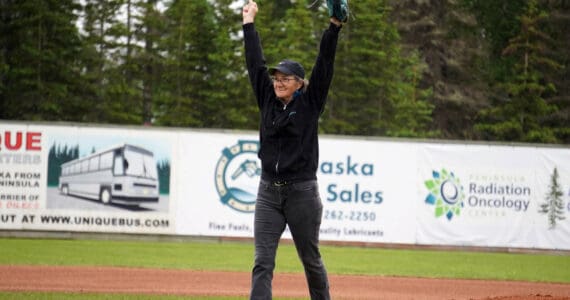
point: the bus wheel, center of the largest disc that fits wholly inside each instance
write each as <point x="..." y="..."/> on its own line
<point x="65" y="190"/>
<point x="105" y="196"/>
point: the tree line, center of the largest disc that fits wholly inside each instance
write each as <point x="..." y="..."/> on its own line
<point x="450" y="69"/>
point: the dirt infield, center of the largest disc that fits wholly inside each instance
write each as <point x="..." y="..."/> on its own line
<point x="207" y="283"/>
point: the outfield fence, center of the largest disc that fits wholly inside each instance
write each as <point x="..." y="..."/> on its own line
<point x="379" y="191"/>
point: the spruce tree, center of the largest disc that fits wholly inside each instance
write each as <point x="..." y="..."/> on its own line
<point x="108" y="84"/>
<point x="39" y="60"/>
<point x="227" y="105"/>
<point x="411" y="115"/>
<point x="376" y="89"/>
<point x="232" y="103"/>
<point x="554" y="206"/>
<point x="150" y="31"/>
<point x="186" y="82"/>
<point x="301" y="41"/>
<point x="556" y="26"/>
<point x="365" y="66"/>
<point x="521" y="116"/>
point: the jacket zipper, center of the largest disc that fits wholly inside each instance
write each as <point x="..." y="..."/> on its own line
<point x="278" y="156"/>
<point x="279" y="148"/>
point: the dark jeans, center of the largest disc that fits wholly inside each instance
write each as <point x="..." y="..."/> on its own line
<point x="298" y="205"/>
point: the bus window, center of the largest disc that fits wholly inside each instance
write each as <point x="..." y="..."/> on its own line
<point x="106" y="161"/>
<point x="150" y="166"/>
<point x="118" y="170"/>
<point x="140" y="164"/>
<point x="94" y="163"/>
<point x="84" y="166"/>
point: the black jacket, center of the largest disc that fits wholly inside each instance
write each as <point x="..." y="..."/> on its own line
<point x="288" y="133"/>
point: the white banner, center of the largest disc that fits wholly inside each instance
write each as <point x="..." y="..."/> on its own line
<point x="363" y="194"/>
<point x="367" y="191"/>
<point x="74" y="178"/>
<point x="479" y="195"/>
<point x="215" y="184"/>
<point x="204" y="183"/>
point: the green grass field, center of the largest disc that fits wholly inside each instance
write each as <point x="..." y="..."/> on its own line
<point x="238" y="256"/>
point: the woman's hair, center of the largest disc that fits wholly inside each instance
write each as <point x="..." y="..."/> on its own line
<point x="305" y="84"/>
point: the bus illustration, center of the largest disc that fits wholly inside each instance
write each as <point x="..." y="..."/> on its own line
<point x="124" y="174"/>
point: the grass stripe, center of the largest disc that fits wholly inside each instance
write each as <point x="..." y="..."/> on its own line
<point x="235" y="256"/>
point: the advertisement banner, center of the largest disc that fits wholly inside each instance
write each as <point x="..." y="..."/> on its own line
<point x="477" y="195"/>
<point x="361" y="185"/>
<point x="23" y="174"/>
<point x="204" y="183"/>
<point x="367" y="190"/>
<point x="85" y="179"/>
<point x="216" y="183"/>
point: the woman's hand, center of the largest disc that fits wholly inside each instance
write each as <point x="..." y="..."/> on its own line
<point x="249" y="12"/>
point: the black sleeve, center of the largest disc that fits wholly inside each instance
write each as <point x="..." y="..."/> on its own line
<point x="322" y="74"/>
<point x="256" y="67"/>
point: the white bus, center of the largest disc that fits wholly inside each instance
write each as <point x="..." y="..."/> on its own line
<point x="123" y="174"/>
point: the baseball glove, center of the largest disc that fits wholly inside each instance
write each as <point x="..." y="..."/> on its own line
<point x="338" y="9"/>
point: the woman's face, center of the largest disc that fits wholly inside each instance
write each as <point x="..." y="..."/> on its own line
<point x="285" y="85"/>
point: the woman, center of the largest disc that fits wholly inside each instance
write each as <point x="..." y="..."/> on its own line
<point x="288" y="193"/>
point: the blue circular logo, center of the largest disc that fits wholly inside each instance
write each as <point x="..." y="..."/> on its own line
<point x="449" y="192"/>
<point x="237" y="176"/>
<point x="445" y="193"/>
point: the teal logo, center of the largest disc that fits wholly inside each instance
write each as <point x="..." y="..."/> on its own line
<point x="237" y="176"/>
<point x="445" y="194"/>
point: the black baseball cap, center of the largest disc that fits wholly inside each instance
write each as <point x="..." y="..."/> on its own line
<point x="289" y="67"/>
